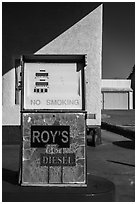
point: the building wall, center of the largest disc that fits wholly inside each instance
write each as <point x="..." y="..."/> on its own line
<point x="116" y="83"/>
<point x="117" y="94"/>
<point x="85" y="37"/>
<point x="115" y="100"/>
<point x="132" y="78"/>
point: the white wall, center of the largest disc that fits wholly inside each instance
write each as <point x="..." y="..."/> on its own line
<point x="116" y="101"/>
<point x="117" y="94"/>
<point x="85" y="37"/>
<point x="116" y="83"/>
<point x="10" y="111"/>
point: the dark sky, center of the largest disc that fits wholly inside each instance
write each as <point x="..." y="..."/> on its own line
<point x="27" y="27"/>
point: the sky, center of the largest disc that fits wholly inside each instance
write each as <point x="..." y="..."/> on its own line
<point x="27" y="27"/>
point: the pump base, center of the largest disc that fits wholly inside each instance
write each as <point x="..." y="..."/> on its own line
<point x="97" y="190"/>
<point x="93" y="136"/>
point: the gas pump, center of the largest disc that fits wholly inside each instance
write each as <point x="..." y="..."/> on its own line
<point x="53" y="145"/>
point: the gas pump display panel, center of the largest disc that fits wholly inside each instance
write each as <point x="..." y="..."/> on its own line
<point x="52" y="86"/>
<point x="53" y="149"/>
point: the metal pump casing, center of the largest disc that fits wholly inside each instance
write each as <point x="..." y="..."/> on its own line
<point x="53" y="121"/>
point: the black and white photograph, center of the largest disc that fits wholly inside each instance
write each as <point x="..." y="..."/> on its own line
<point x="68" y="101"/>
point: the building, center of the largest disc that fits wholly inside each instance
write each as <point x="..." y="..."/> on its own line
<point x="117" y="94"/>
<point x="83" y="38"/>
<point x="132" y="78"/>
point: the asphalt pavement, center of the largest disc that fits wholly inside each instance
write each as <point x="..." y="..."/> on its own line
<point x="113" y="160"/>
<point x="119" y="121"/>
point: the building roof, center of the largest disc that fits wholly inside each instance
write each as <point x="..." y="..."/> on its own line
<point x="116" y="85"/>
<point x="132" y="73"/>
<point x="117" y="89"/>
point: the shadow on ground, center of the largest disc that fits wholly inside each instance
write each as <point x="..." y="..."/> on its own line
<point x="125" y="144"/>
<point x="98" y="190"/>
<point x="122" y="163"/>
<point x="118" y="130"/>
<point x="10" y="176"/>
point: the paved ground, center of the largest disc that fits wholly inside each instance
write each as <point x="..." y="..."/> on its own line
<point x="119" y="121"/>
<point x="125" y="118"/>
<point x="113" y="160"/>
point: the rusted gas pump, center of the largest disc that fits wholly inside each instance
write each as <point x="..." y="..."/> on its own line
<point x="53" y="151"/>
